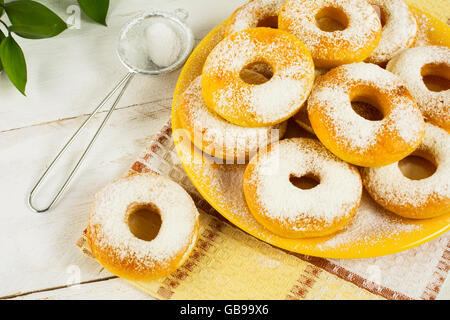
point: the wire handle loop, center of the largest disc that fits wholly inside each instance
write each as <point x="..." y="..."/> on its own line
<point x="122" y="83"/>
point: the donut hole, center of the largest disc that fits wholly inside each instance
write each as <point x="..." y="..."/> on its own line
<point x="144" y="220"/>
<point x="417" y="166"/>
<point x="268" y="22"/>
<point x="367" y="106"/>
<point x="305" y="182"/>
<point x="436" y="76"/>
<point x="331" y="19"/>
<point x="256" y="73"/>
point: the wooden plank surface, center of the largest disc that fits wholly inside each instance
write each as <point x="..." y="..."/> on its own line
<point x="68" y="76"/>
<point x="41" y="249"/>
<point x="114" y="289"/>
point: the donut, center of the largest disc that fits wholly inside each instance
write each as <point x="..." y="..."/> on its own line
<point x="411" y="66"/>
<point x="360" y="36"/>
<point x="123" y="253"/>
<point x="301" y="117"/>
<point x="353" y="138"/>
<point x="218" y="137"/>
<point x="265" y="104"/>
<point x="416" y="199"/>
<point x="398" y="32"/>
<point x="256" y="13"/>
<point x="291" y="211"/>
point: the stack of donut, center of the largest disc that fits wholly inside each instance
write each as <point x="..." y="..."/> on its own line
<point x="346" y="70"/>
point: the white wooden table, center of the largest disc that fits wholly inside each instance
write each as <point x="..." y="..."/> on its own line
<point x="67" y="76"/>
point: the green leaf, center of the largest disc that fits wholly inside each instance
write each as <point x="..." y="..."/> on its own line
<point x="2" y="2"/>
<point x="14" y="63"/>
<point x="95" y="9"/>
<point x="2" y="36"/>
<point x="33" y="20"/>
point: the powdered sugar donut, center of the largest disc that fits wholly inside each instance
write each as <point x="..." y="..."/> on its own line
<point x="398" y="33"/>
<point x="264" y="104"/>
<point x="218" y="137"/>
<point x="116" y="247"/>
<point x="417" y="199"/>
<point x="256" y="13"/>
<point x="360" y="36"/>
<point x="350" y="136"/>
<point x="411" y="66"/>
<point x="301" y="117"/>
<point x="290" y="211"/>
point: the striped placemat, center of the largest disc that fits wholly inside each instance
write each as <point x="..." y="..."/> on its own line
<point x="227" y="263"/>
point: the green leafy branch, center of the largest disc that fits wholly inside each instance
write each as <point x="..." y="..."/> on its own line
<point x="32" y="20"/>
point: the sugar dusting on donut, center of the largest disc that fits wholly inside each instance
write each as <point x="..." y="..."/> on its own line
<point x="271" y="100"/>
<point x="109" y="210"/>
<point x="408" y="65"/>
<point x="355" y="137"/>
<point x="234" y="140"/>
<point x="252" y="12"/>
<point x="398" y="33"/>
<point x="267" y="101"/>
<point x="371" y="223"/>
<point x="225" y="182"/>
<point x="393" y="187"/>
<point x="337" y="192"/>
<point x="302" y="21"/>
<point x="226" y="55"/>
<point x="284" y="92"/>
<point x="362" y="134"/>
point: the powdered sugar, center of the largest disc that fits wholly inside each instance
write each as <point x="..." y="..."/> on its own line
<point x="217" y="136"/>
<point x="253" y="12"/>
<point x="398" y="32"/>
<point x="298" y="18"/>
<point x="370" y="74"/>
<point x="334" y="199"/>
<point x="267" y="100"/>
<point x="370" y="226"/>
<point x="331" y="99"/>
<point x="408" y="65"/>
<point x="354" y="137"/>
<point x="371" y="223"/>
<point x="388" y="186"/>
<point x="163" y="44"/>
<point x="111" y="232"/>
<point x="406" y="124"/>
<point x="270" y="102"/>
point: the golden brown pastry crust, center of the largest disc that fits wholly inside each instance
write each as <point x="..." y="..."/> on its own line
<point x="350" y="136"/>
<point x="119" y="250"/>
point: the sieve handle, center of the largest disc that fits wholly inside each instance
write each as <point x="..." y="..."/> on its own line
<point x="122" y="83"/>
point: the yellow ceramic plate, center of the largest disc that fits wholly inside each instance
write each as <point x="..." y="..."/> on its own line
<point x="372" y="232"/>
